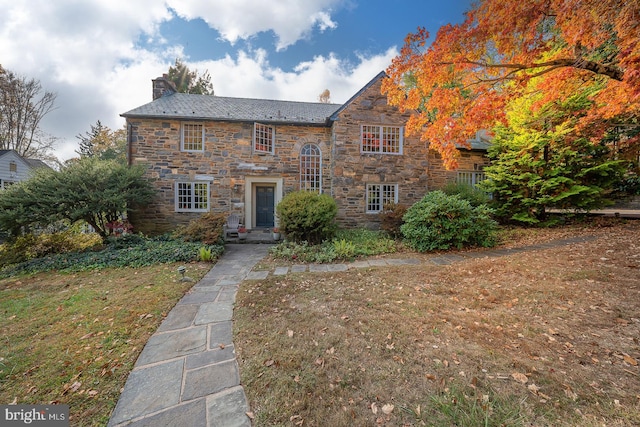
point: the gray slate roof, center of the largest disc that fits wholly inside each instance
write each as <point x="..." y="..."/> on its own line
<point x="204" y="107"/>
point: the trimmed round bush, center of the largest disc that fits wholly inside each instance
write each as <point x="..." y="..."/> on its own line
<point x="441" y="221"/>
<point x="307" y="216"/>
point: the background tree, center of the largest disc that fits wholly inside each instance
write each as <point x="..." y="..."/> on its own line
<point x="325" y="97"/>
<point x="96" y="191"/>
<point x="188" y="81"/>
<point x="23" y="105"/>
<point x="103" y="143"/>
<point x="465" y="78"/>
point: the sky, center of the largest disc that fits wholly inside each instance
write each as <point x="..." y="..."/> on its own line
<point x="99" y="56"/>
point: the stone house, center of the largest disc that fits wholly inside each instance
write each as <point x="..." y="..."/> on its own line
<point x="219" y="154"/>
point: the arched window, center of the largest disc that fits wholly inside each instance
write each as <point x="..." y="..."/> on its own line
<point x="311" y="168"/>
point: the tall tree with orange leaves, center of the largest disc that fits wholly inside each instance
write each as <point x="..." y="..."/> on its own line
<point x="462" y="81"/>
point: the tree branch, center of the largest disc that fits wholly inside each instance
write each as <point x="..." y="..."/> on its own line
<point x="580" y="63"/>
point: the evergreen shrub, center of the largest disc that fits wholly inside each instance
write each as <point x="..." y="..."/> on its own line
<point x="307" y="216"/>
<point x="441" y="221"/>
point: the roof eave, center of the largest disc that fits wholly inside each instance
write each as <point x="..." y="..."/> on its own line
<point x="323" y="123"/>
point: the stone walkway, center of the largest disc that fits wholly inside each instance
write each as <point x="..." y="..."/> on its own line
<point x="187" y="374"/>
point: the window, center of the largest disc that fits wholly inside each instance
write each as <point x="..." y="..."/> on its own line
<point x="311" y="168"/>
<point x="192" y="137"/>
<point x="13" y="167"/>
<point x="263" y="137"/>
<point x="192" y="197"/>
<point x="381" y="139"/>
<point x="470" y="178"/>
<point x="380" y="194"/>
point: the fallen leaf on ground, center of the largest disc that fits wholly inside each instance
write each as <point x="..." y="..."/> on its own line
<point x="520" y="377"/>
<point x="388" y="408"/>
<point x="630" y="360"/>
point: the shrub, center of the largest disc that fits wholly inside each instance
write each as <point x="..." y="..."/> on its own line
<point x="471" y="194"/>
<point x="208" y="229"/>
<point x="31" y="246"/>
<point x="307" y="216"/>
<point x="440" y="221"/>
<point x="391" y="218"/>
<point x="629" y="186"/>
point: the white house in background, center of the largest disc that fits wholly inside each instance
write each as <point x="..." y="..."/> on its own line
<point x="15" y="168"/>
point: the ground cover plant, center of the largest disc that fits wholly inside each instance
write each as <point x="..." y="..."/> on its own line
<point x="127" y="251"/>
<point x="72" y="338"/>
<point x="546" y="337"/>
<point x="346" y="245"/>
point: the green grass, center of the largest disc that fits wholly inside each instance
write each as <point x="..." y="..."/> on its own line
<point x="72" y="338"/>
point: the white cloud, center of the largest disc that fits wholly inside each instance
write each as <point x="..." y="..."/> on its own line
<point x="100" y="57"/>
<point x="250" y="75"/>
<point x="290" y="20"/>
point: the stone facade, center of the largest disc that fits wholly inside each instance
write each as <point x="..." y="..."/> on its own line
<point x="352" y="170"/>
<point x="235" y="171"/>
<point x="228" y="163"/>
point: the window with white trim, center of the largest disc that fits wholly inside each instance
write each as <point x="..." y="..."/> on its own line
<point x="192" y="137"/>
<point x="311" y="168"/>
<point x="263" y="138"/>
<point x="380" y="194"/>
<point x="381" y="139"/>
<point x="470" y="178"/>
<point x="13" y="167"/>
<point x="192" y="196"/>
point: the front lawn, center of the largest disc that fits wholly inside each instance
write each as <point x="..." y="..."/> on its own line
<point x="72" y="338"/>
<point x="547" y="337"/>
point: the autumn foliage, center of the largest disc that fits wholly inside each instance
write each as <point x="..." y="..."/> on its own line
<point x="464" y="79"/>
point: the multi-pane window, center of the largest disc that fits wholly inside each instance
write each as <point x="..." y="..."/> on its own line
<point x="13" y="167"/>
<point x="470" y="178"/>
<point x="311" y="168"/>
<point x="380" y="194"/>
<point x="192" y="137"/>
<point x="192" y="197"/>
<point x="381" y="139"/>
<point x="263" y="138"/>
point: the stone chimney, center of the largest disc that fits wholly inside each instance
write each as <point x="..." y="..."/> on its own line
<point x="163" y="86"/>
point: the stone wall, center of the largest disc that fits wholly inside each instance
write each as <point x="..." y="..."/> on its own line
<point x="227" y="160"/>
<point x="353" y="170"/>
<point x="468" y="161"/>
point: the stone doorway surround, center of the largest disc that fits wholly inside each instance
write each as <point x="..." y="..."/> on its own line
<point x="250" y="195"/>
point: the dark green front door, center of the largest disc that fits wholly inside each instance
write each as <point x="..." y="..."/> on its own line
<point x="264" y="206"/>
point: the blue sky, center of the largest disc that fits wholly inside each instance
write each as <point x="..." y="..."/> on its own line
<point x="99" y="56"/>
